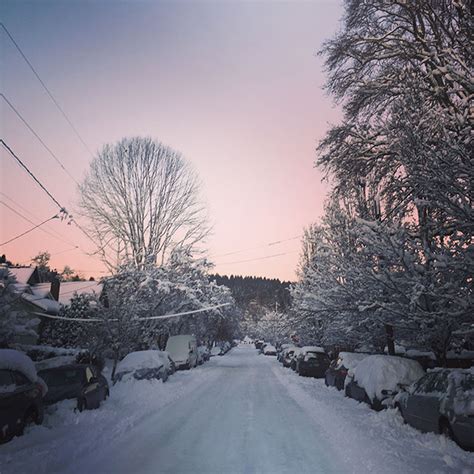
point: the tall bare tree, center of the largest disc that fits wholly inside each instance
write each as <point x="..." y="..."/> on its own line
<point x="141" y="199"/>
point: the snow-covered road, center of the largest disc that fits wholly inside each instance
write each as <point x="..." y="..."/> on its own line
<point x="240" y="413"/>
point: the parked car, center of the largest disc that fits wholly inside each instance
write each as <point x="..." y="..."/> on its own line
<point x="203" y="354"/>
<point x="183" y="351"/>
<point x="295" y="355"/>
<point x="311" y="361"/>
<point x="287" y="356"/>
<point x="81" y="381"/>
<point x="442" y="402"/>
<point x="145" y="365"/>
<point x="336" y="374"/>
<point x="258" y="344"/>
<point x="269" y="350"/>
<point x="281" y="350"/>
<point x="21" y="394"/>
<point x="378" y="378"/>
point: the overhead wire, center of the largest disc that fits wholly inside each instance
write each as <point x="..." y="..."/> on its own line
<point x="37" y="181"/>
<point x="46" y="147"/>
<point x="269" y="244"/>
<point x="28" y="231"/>
<point x="58" y="237"/>
<point x="43" y="187"/>
<point x="50" y="94"/>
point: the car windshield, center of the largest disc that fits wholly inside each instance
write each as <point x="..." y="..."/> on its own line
<point x="62" y="377"/>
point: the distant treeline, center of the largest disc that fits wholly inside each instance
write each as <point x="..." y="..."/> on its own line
<point x="263" y="292"/>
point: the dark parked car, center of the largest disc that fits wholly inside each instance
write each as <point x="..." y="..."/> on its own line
<point x="21" y="394"/>
<point x="442" y="402"/>
<point x="378" y="378"/>
<point x="80" y="381"/>
<point x="259" y="344"/>
<point x="21" y="403"/>
<point x="338" y="369"/>
<point x="311" y="361"/>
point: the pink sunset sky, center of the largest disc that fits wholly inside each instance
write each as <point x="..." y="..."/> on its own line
<point x="235" y="86"/>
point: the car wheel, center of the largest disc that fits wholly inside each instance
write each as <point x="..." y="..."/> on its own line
<point x="81" y="404"/>
<point x="446" y="430"/>
<point x="31" y="417"/>
<point x="399" y="408"/>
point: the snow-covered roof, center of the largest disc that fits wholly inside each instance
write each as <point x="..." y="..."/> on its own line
<point x="47" y="305"/>
<point x="312" y="349"/>
<point x="67" y="289"/>
<point x="21" y="274"/>
<point x="10" y="359"/>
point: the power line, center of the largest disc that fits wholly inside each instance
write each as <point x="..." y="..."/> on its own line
<point x="258" y="258"/>
<point x="37" y="181"/>
<point x="30" y="128"/>
<point x="63" y="113"/>
<point x="269" y="244"/>
<point x="29" y="230"/>
<point x="34" y="223"/>
<point x="165" y="316"/>
<point x="62" y="208"/>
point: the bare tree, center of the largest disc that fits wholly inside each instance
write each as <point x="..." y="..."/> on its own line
<point x="142" y="201"/>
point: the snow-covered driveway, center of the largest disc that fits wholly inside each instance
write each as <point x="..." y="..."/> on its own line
<point x="239" y="413"/>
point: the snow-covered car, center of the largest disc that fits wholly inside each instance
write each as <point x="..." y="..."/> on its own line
<point x="80" y="381"/>
<point x="269" y="350"/>
<point x="294" y="357"/>
<point x="21" y="394"/>
<point x="281" y="350"/>
<point x="144" y="365"/>
<point x="220" y="349"/>
<point x="183" y="350"/>
<point x="378" y="378"/>
<point x="442" y="402"/>
<point x="203" y="354"/>
<point x="336" y="374"/>
<point x="312" y="361"/>
<point x="287" y="356"/>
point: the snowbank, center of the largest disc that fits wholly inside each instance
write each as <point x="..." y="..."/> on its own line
<point x="380" y="372"/>
<point x="10" y="359"/>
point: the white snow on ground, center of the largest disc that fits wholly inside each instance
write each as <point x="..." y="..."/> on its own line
<point x="372" y="442"/>
<point x="240" y="413"/>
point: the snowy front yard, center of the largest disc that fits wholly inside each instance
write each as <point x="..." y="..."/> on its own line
<point x="238" y="413"/>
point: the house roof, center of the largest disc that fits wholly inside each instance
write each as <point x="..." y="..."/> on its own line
<point x="22" y="274"/>
<point x="67" y="289"/>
